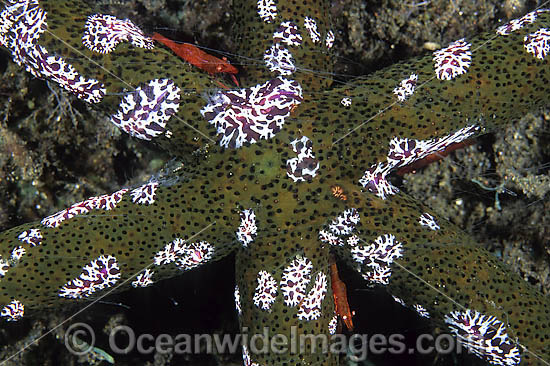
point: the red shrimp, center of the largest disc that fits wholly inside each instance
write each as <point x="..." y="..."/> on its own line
<point x="411" y="168"/>
<point x="197" y="57"/>
<point x="340" y="297"/>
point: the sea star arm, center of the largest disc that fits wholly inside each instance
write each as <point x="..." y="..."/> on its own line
<point x="430" y="266"/>
<point x="284" y="291"/>
<point x="157" y="226"/>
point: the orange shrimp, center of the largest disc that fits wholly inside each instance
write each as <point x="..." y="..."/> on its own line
<point x="338" y="192"/>
<point x="197" y="57"/>
<point x="340" y="297"/>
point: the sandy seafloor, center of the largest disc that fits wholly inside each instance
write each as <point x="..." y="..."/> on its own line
<point x="56" y="150"/>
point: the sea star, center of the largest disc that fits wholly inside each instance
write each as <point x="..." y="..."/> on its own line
<point x="265" y="191"/>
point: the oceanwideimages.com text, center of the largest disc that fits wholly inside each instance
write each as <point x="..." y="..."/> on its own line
<point x="80" y="339"/>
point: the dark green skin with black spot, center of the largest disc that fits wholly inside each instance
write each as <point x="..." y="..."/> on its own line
<point x="502" y="83"/>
